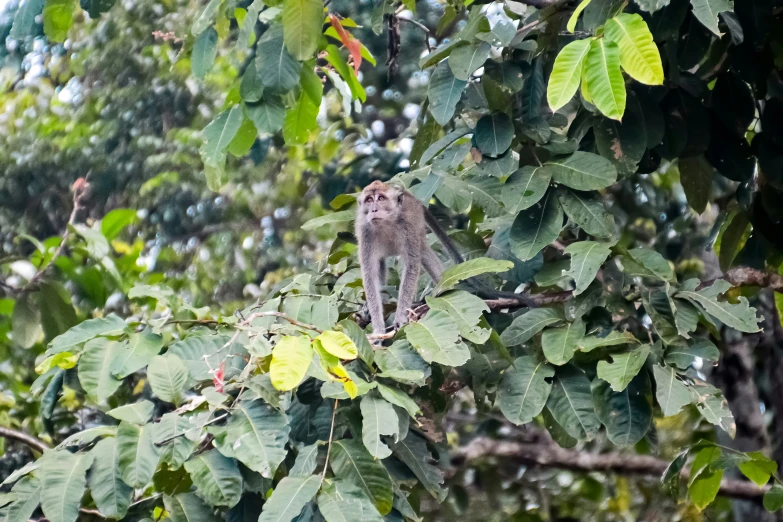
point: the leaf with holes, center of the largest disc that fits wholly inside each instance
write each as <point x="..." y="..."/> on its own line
<point x="624" y="367"/>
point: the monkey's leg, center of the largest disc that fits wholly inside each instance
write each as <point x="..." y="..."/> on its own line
<point x="372" y="290"/>
<point x="431" y="263"/>
<point x="383" y="272"/>
<point x="410" y="282"/>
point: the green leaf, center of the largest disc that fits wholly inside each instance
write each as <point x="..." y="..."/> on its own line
<point x="524" y="389"/>
<point x="705" y="482"/>
<point x="343" y="216"/>
<point x="256" y="435"/>
<point x="401" y="357"/>
<point x="627" y="415"/>
<point x="582" y="171"/>
<point x="707" y="11"/>
<point x="571" y="403"/>
<point x="467" y="269"/>
<point x="436" y="339"/>
<point x="268" y="115"/>
<point x="567" y="72"/>
<point x="168" y="377"/>
<point x="136" y="353"/>
<point x="350" y="461"/>
<point x="302" y="23"/>
<point x="426" y="136"/>
<point x="670" y="480"/>
<point x="204" y="52"/>
<point x="243" y="139"/>
<point x="94" y="365"/>
<point x="341" y="501"/>
<point x="58" y="18"/>
<point x="586" y="259"/>
<point x="773" y="499"/>
<point x="733" y="239"/>
<point x="202" y="353"/>
<point x="26" y="321"/>
<point x="378" y="418"/>
<point x="217" y="478"/>
<point x="300" y="121"/>
<point x="533" y="91"/>
<point x="413" y="452"/>
<point x="739" y="316"/>
<point x="525" y="326"/>
<point x="638" y="53"/>
<point x="338" y="344"/>
<point x="758" y="470"/>
<point x="623" y="368"/>
<point x="178" y="449"/>
<point x="671" y="393"/>
<point x="399" y="398"/>
<point x="116" y="221"/>
<point x="652" y="264"/>
<point x="137" y="413"/>
<point x="571" y="25"/>
<point x="306" y="461"/>
<point x="604" y="79"/>
<point x="62" y="485"/>
<point x="84" y="331"/>
<point x="278" y="70"/>
<point x="187" y="507"/>
<point x="525" y="188"/>
<point x="537" y="227"/>
<point x="559" y="344"/>
<point x="466" y="309"/>
<point x="291" y="357"/>
<point x="28" y="496"/>
<point x="493" y="134"/>
<point x="684" y="356"/>
<point x="614" y="338"/>
<point x="289" y="498"/>
<point x="713" y="406"/>
<point x="217" y="137"/>
<point x="56" y="309"/>
<point x="24" y="20"/>
<point x="111" y="495"/>
<point x="206" y="18"/>
<point x="652" y="5"/>
<point x="138" y="455"/>
<point x="696" y="179"/>
<point x="466" y="60"/>
<point x="357" y="335"/>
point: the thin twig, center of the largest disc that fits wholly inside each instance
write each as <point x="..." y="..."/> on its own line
<point x="423" y="28"/>
<point x="329" y="446"/>
<point x="169" y="439"/>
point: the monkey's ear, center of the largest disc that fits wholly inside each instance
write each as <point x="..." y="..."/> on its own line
<point x="399" y="198"/>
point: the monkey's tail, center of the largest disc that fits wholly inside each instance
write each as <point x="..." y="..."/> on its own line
<point x="444" y="238"/>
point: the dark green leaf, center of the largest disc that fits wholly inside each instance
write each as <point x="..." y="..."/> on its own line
<point x="524" y="390"/>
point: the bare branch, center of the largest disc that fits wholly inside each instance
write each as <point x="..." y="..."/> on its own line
<point x="24" y="438"/>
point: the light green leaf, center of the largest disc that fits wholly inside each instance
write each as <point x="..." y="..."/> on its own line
<point x="357" y="335"/>
<point x="537" y="227"/>
<point x="278" y="70"/>
<point x="740" y="316"/>
<point x="256" y="435"/>
<point x="571" y="25"/>
<point x="571" y="403"/>
<point x="338" y="344"/>
<point x="614" y="338"/>
<point x="350" y="461"/>
<point x="525" y="326"/>
<point x="604" y="79"/>
<point x="412" y="450"/>
<point x="493" y="134"/>
<point x="26" y="322"/>
<point x="138" y="455"/>
<point x="136" y="353"/>
<point x="653" y="264"/>
<point x="217" y="137"/>
<point x="401" y="357"/>
<point x="204" y="52"/>
<point x="582" y="171"/>
<point x="179" y="448"/>
<point x="466" y="60"/>
<point x="168" y="377"/>
<point x="559" y="344"/>
<point x="652" y="6"/>
<point x="378" y="418"/>
<point x="137" y="413"/>
<point x="467" y="269"/>
<point x="586" y="259"/>
<point x="684" y="356"/>
<point x="58" y="18"/>
<point x="289" y="497"/>
<point x="28" y="496"/>
<point x="62" y="485"/>
<point x="94" y="365"/>
<point x="466" y="309"/>
<point x="623" y="368"/>
<point x="302" y="23"/>
<point x="202" y="353"/>
<point x="707" y="11"/>
<point x="713" y="406"/>
<point x="670" y="392"/>
<point x="638" y="53"/>
<point x="300" y="121"/>
<point x="290" y="359"/>
<point x="116" y="220"/>
<point x="217" y="478"/>
<point x="187" y="507"/>
<point x="524" y="389"/>
<point x="759" y="469"/>
<point x="525" y="188"/>
<point x="436" y="339"/>
<point x="627" y="415"/>
<point x="567" y="72"/>
<point x="399" y="398"/>
<point x="84" y="331"/>
<point x="206" y="18"/>
<point x="343" y="216"/>
<point x="111" y="495"/>
<point x="306" y="461"/>
<point x="341" y="501"/>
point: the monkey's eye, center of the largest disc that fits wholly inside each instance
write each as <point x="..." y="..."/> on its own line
<point x="381" y="198"/>
<point x="368" y="199"/>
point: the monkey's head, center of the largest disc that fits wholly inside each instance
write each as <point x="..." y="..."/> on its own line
<point x="380" y="202"/>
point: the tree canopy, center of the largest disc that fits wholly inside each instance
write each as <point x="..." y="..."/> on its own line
<point x="181" y="301"/>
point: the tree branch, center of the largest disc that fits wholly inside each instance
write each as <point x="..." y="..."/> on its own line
<point x="552" y="456"/>
<point x="745" y="276"/>
<point x="24" y="438"/>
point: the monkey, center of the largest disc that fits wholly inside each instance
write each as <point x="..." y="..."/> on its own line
<point x="390" y="221"/>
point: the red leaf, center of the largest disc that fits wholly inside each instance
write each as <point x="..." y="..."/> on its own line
<point x="217" y="378"/>
<point x="353" y="45"/>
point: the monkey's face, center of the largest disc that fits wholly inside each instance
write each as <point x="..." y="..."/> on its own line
<point x="379" y="203"/>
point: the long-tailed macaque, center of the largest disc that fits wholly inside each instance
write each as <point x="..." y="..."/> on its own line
<point x="392" y="222"/>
